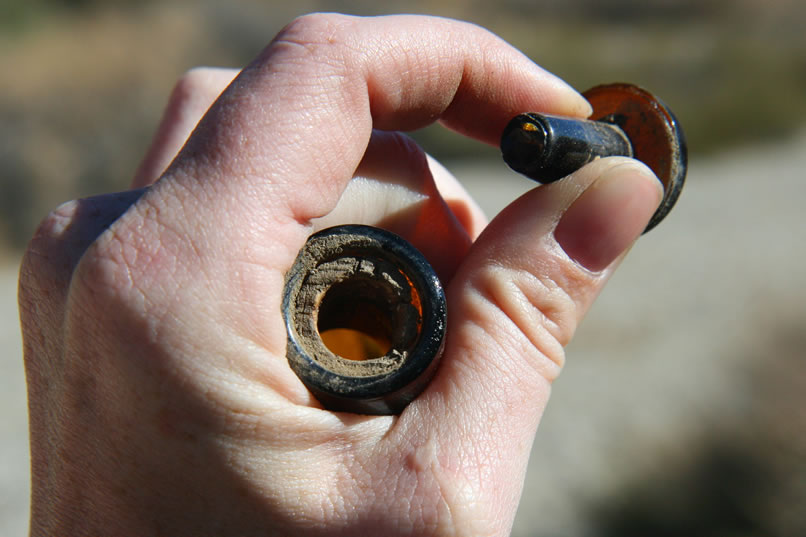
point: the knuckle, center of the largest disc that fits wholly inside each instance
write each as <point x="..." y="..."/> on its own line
<point x="204" y="79"/>
<point x="54" y="225"/>
<point x="63" y="237"/>
<point x="535" y="312"/>
<point x="309" y="34"/>
<point x="101" y="292"/>
<point x="397" y="150"/>
<point x="46" y="272"/>
<point x="195" y="86"/>
<point x="57" y="220"/>
<point x="63" y="275"/>
<point x="112" y="263"/>
<point x="313" y="27"/>
<point x="135" y="267"/>
<point x="48" y="254"/>
<point x="106" y="248"/>
<point x="187" y="85"/>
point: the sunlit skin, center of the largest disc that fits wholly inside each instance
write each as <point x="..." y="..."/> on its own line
<point x="161" y="402"/>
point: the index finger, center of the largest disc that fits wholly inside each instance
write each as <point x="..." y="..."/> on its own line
<point x="288" y="133"/>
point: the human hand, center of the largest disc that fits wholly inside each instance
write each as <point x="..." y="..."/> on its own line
<point x="161" y="401"/>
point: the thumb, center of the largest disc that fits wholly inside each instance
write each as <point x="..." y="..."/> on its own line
<point x="533" y="274"/>
<point x="514" y="303"/>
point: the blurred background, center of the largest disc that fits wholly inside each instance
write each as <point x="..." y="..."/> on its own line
<point x="682" y="409"/>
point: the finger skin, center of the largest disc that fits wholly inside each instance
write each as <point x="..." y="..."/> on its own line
<point x="282" y="106"/>
<point x="462" y="205"/>
<point x="394" y="189"/>
<point x="190" y="99"/>
<point x="514" y="304"/>
<point x="280" y="144"/>
<point x="165" y="404"/>
<point x="197" y="90"/>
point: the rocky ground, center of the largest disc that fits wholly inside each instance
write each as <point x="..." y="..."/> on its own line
<point x="681" y="409"/>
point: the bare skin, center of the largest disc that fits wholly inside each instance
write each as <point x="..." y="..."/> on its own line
<point x="161" y="402"/>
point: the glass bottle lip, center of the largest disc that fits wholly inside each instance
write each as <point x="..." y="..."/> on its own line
<point x="383" y="263"/>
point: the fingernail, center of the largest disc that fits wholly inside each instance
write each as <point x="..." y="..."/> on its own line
<point x="609" y="215"/>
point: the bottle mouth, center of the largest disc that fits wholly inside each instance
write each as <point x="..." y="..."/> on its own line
<point x="365" y="316"/>
<point x="523" y="145"/>
<point x="358" y="318"/>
